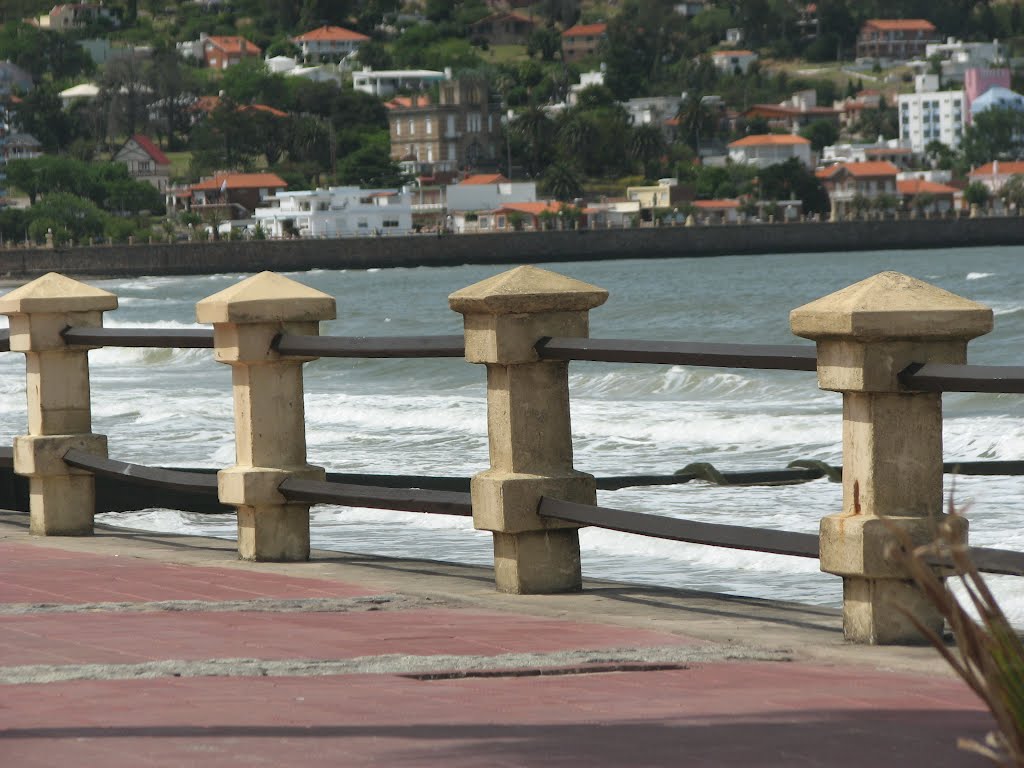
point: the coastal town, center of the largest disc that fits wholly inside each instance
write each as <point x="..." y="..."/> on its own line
<point x="142" y="122"/>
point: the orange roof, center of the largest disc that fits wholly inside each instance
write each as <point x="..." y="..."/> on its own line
<point x="531" y="208"/>
<point x="151" y="149"/>
<point x="234" y="44"/>
<point x="1005" y="168"/>
<point x="920" y="186"/>
<point x="408" y="102"/>
<point x="483" y="178"/>
<point x="330" y="34"/>
<point x="905" y="25"/>
<point x="733" y="53"/>
<point x="241" y="181"/>
<point x="715" y="204"/>
<point x="870" y="168"/>
<point x="769" y="139"/>
<point x="585" y="30"/>
<point x="263" y="108"/>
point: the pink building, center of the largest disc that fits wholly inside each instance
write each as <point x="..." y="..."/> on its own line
<point x="978" y="80"/>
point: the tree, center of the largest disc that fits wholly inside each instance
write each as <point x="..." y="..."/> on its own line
<point x="821" y="134"/>
<point x="647" y="147"/>
<point x="42" y="115"/>
<point x="1012" y="192"/>
<point x="173" y="88"/>
<point x="544" y="41"/>
<point x="995" y="134"/>
<point x="70" y="218"/>
<point x="562" y="181"/>
<point x="536" y="132"/>
<point x="792" y="180"/>
<point x="370" y="166"/>
<point x="125" y="94"/>
<point x="976" y="194"/>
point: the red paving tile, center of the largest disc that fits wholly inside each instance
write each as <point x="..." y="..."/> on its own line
<point x="125" y="638"/>
<point x="40" y="574"/>
<point x="726" y="714"/>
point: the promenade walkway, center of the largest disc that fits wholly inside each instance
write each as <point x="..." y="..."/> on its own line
<point x="136" y="649"/>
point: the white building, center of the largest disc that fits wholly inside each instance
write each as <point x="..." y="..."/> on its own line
<point x="763" y="150"/>
<point x="386" y="82"/>
<point x="336" y="212"/>
<point x="486" y="192"/>
<point x="931" y="115"/>
<point x="957" y="57"/>
<point x="732" y="62"/>
<point x="329" y="43"/>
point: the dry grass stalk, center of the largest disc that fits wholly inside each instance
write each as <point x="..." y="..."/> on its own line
<point x="989" y="654"/>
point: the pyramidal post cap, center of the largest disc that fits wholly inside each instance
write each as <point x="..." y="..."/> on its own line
<point x="891" y="305"/>
<point x="266" y="298"/>
<point x="527" y="290"/>
<point x="53" y="292"/>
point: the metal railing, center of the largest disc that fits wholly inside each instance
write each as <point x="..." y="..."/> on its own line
<point x="196" y="490"/>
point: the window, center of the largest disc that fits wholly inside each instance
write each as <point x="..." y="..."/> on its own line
<point x="428" y="125"/>
<point x="451" y="125"/>
<point x="412" y="127"/>
<point x="390" y="223"/>
<point x="398" y="127"/>
<point x="362" y="224"/>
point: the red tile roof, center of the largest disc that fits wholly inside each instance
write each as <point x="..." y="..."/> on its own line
<point x="331" y="34"/>
<point x="920" y="186"/>
<point x="533" y="209"/>
<point x="1004" y="168"/>
<point x="241" y="181"/>
<point x="714" y="205"/>
<point x="733" y="53"/>
<point x="263" y="108"/>
<point x="483" y="178"/>
<point x="234" y="44"/>
<point x="769" y="139"/>
<point x="905" y="25"/>
<point x="586" y="30"/>
<point x="870" y="168"/>
<point x="408" y="102"/>
<point x="151" y="149"/>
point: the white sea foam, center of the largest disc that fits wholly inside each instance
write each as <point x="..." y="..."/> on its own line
<point x="978" y="275"/>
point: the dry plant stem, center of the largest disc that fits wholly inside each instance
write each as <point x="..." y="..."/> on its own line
<point x="989" y="655"/>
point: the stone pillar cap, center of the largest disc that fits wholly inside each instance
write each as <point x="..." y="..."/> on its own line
<point x="55" y="293"/>
<point x="266" y="298"/>
<point x="527" y="290"/>
<point x="891" y="305"/>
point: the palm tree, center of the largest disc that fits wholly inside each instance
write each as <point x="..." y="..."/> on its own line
<point x="562" y="181"/>
<point x="537" y="131"/>
<point x="647" y="146"/>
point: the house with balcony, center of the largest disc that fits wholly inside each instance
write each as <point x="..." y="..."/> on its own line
<point x="336" y="212"/>
<point x="794" y="113"/>
<point x="145" y="161"/>
<point x="384" y="83"/>
<point x="62" y="18"/>
<point x="14" y="79"/>
<point x="227" y="195"/>
<point x="511" y="216"/>
<point x="582" y="41"/>
<point x="461" y="132"/>
<point x="725" y="211"/>
<point x="762" y="150"/>
<point x="895" y="39"/>
<point x="329" y="43"/>
<point x="852" y="186"/>
<point x="487" y="191"/>
<point x="16" y="146"/>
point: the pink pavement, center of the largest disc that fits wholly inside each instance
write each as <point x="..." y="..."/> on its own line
<point x="704" y="713"/>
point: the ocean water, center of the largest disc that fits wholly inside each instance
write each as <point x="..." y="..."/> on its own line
<point x="173" y="408"/>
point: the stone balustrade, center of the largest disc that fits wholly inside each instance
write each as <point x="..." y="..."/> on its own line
<point x="865" y="335"/>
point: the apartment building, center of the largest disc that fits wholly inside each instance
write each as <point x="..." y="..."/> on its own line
<point x="931" y="115"/>
<point x="582" y="41"/>
<point x="461" y="131"/>
<point x="895" y="39"/>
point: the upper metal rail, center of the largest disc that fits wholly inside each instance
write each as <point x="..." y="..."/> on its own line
<point x="370" y="346"/>
<point x="945" y="377"/>
<point x="164" y="338"/>
<point x="375" y="497"/>
<point x="790" y="357"/>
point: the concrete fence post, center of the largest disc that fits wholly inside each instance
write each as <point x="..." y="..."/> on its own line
<point x="866" y="335"/>
<point x="270" y="427"/>
<point x="62" y="500"/>
<point x="528" y="425"/>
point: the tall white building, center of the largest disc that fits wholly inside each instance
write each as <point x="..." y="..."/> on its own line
<point x="336" y="212"/>
<point x="930" y="115"/>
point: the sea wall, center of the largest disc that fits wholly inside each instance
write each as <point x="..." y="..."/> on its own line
<point x="511" y="248"/>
